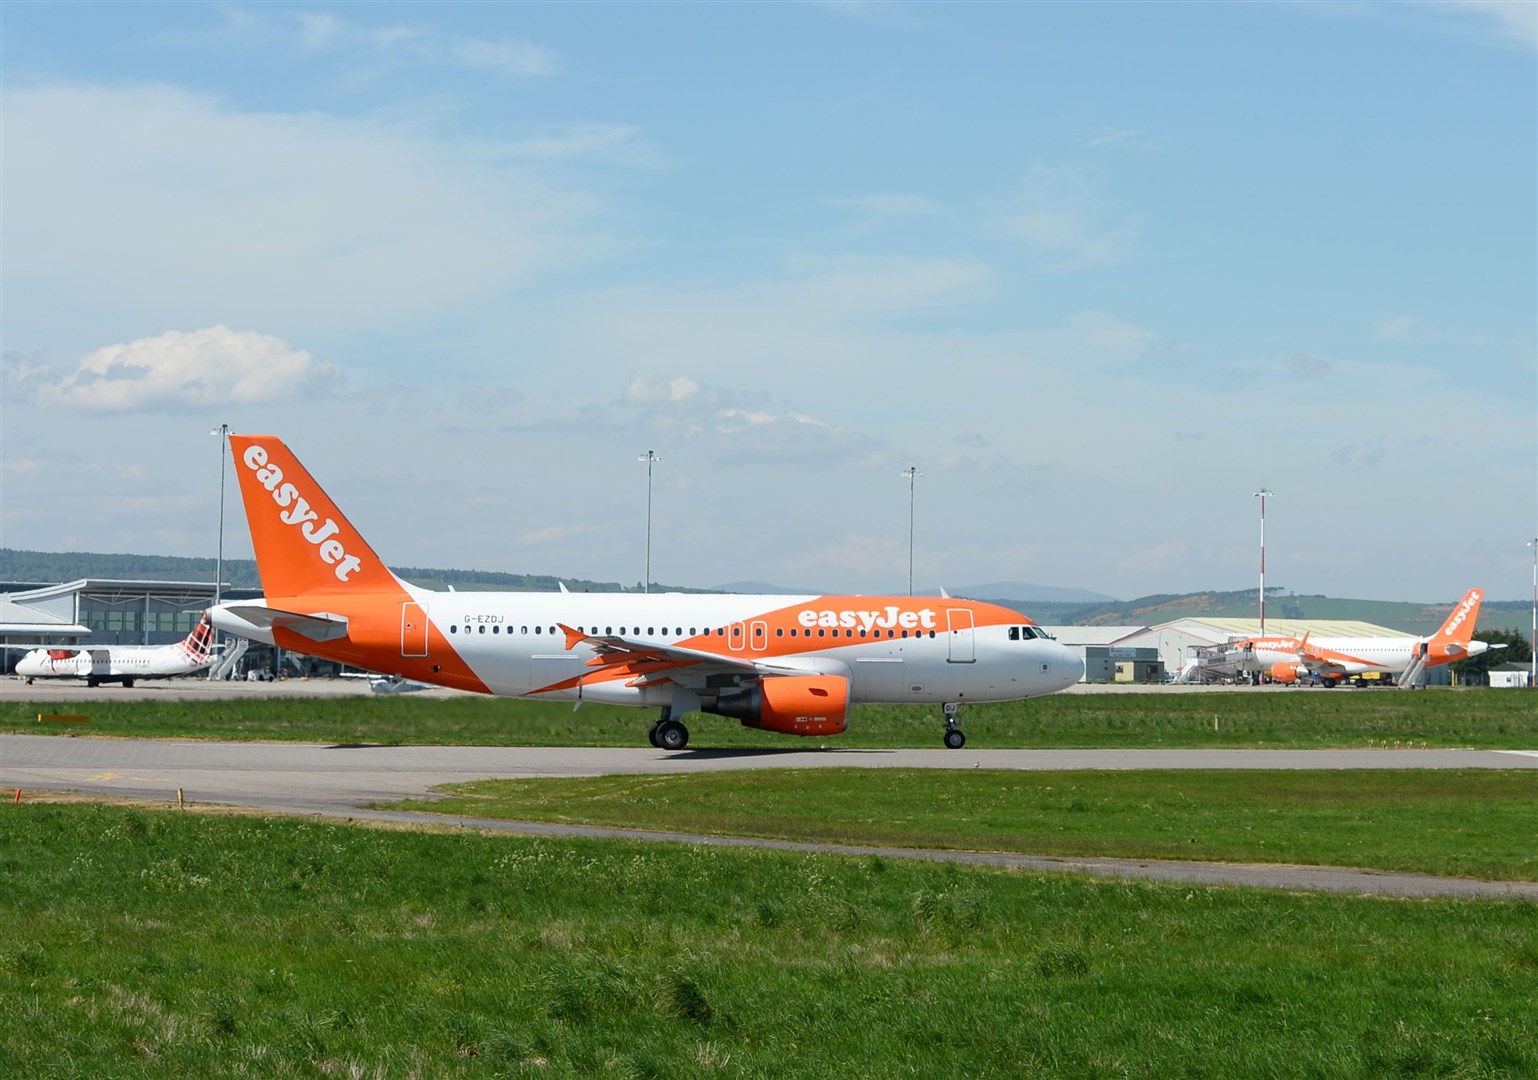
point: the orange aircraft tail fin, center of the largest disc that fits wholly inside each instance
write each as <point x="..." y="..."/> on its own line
<point x="1460" y="624"/>
<point x="303" y="543"/>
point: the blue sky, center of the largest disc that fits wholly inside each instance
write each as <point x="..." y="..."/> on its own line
<point x="1099" y="270"/>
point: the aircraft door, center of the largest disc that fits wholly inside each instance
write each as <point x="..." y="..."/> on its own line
<point x="413" y="629"/>
<point x="958" y="623"/>
<point x="758" y="634"/>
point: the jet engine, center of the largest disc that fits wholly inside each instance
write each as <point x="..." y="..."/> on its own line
<point x="1284" y="673"/>
<point x="790" y="704"/>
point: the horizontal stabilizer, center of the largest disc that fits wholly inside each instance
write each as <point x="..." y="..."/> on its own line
<point x="321" y="626"/>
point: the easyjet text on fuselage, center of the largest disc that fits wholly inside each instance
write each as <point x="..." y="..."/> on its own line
<point x="889" y="618"/>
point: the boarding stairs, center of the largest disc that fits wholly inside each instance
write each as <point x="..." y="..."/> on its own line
<point x="1214" y="664"/>
<point x="224" y="666"/>
<point x="1411" y="677"/>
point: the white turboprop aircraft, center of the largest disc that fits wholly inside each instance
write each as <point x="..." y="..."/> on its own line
<point x="97" y="664"/>
<point x="791" y="664"/>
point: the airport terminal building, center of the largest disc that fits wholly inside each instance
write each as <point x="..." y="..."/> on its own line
<point x="101" y="611"/>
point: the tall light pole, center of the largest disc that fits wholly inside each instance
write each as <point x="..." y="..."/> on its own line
<point x="651" y="458"/>
<point x="1261" y="495"/>
<point x="911" y="473"/>
<point x="223" y="431"/>
<point x="1533" y="676"/>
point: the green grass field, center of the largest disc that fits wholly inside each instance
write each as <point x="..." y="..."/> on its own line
<point x="1496" y="719"/>
<point x="1474" y="823"/>
<point x="155" y="943"/>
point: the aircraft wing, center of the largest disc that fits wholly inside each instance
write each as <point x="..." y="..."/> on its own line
<point x="1317" y="660"/>
<point x="648" y="658"/>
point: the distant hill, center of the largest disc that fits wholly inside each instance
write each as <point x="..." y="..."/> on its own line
<point x="52" y="566"/>
<point x="761" y="588"/>
<point x="1015" y="590"/>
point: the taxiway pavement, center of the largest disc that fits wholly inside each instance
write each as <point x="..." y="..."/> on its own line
<point x="342" y="781"/>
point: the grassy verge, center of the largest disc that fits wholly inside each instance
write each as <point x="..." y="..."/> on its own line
<point x="1475" y="823"/>
<point x="138" y="943"/>
<point x="1497" y="719"/>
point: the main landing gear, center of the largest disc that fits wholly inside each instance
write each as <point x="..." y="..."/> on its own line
<point x="667" y="733"/>
<point x="954" y="738"/>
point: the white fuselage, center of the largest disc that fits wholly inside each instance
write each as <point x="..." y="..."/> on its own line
<point x="1355" y="655"/>
<point x="514" y="644"/>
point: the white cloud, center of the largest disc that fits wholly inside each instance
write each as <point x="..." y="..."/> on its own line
<point x="1398" y="328"/>
<point x="1307" y="366"/>
<point x="1514" y="22"/>
<point x="394" y="43"/>
<point x="553" y="533"/>
<point x="893" y="204"/>
<point x="647" y="390"/>
<point x="1063" y="223"/>
<point x="216" y="366"/>
<point x="144" y="204"/>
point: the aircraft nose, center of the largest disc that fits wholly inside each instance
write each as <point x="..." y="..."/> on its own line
<point x="1072" y="666"/>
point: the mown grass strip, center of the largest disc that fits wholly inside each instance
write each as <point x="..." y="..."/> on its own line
<point x="147" y="944"/>
<point x="1496" y="719"/>
<point x="1474" y="823"/>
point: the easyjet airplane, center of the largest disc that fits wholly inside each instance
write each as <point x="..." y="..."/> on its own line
<point x="97" y="664"/>
<point x="791" y="664"/>
<point x="1332" y="659"/>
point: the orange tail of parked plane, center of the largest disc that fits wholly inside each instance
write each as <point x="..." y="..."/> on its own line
<point x="1451" y="641"/>
<point x="791" y="664"/>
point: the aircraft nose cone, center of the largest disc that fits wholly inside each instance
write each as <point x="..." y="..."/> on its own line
<point x="1073" y="666"/>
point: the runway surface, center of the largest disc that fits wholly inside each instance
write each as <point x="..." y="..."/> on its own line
<point x="341" y="781"/>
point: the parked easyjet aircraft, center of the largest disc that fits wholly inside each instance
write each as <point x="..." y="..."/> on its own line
<point x="97" y="664"/>
<point x="791" y="664"/>
<point x="1332" y="659"/>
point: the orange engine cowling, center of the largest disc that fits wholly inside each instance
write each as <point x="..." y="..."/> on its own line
<point x="1284" y="673"/>
<point x="793" y="704"/>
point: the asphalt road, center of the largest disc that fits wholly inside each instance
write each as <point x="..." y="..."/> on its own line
<point x="341" y="781"/>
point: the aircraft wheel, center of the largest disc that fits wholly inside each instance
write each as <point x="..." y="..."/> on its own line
<point x="93" y="683"/>
<point x="954" y="739"/>
<point x="651" y="734"/>
<point x="671" y="735"/>
<point x="128" y="684"/>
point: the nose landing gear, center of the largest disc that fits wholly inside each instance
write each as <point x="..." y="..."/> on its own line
<point x="955" y="739"/>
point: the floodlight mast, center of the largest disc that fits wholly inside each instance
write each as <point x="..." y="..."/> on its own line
<point x="223" y="431"/>
<point x="1262" y="495"/>
<point x="911" y="473"/>
<point x="651" y="458"/>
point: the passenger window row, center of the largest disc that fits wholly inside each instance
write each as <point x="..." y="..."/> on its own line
<point x="719" y="631"/>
